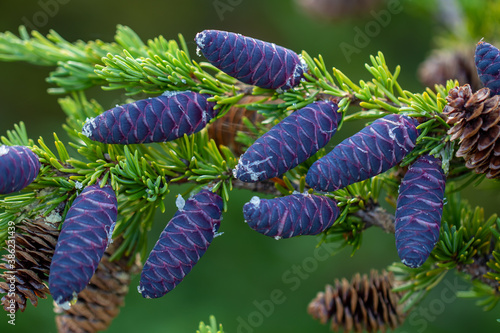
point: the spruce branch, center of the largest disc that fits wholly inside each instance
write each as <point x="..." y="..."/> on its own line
<point x="377" y="216"/>
<point x="75" y="61"/>
<point x="142" y="175"/>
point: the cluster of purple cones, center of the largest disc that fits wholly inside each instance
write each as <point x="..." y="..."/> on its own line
<point x="377" y="148"/>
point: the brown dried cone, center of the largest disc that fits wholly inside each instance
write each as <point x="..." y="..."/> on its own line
<point x="224" y="129"/>
<point x="475" y="119"/>
<point x="99" y="303"/>
<point x="363" y="304"/>
<point x="34" y="243"/>
<point x="449" y="64"/>
<point x="334" y="10"/>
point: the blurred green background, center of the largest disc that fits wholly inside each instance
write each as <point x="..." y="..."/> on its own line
<point x="242" y="267"/>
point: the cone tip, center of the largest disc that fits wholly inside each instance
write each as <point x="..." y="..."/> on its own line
<point x="200" y="39"/>
<point x="4" y="150"/>
<point x="412" y="262"/>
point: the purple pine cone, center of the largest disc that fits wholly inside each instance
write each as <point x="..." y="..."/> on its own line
<point x="182" y="243"/>
<point x="373" y="150"/>
<point x="250" y="60"/>
<point x="293" y="215"/>
<point x="419" y="209"/>
<point x="487" y="58"/>
<point x="19" y="167"/>
<point x="289" y="143"/>
<point x="157" y="119"/>
<point x="84" y="237"/>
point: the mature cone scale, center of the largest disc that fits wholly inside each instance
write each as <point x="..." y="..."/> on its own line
<point x="84" y="237"/>
<point x="224" y="130"/>
<point x="366" y="304"/>
<point x="34" y="244"/>
<point x="289" y="143"/>
<point x="251" y="60"/>
<point x="373" y="150"/>
<point x="158" y="119"/>
<point x="99" y="303"/>
<point x="419" y="210"/>
<point x="487" y="60"/>
<point x="475" y="119"/>
<point x="19" y="167"/>
<point x="292" y="215"/>
<point x="183" y="242"/>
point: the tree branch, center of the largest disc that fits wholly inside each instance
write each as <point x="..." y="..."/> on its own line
<point x="377" y="216"/>
<point x="264" y="187"/>
<point x="478" y="270"/>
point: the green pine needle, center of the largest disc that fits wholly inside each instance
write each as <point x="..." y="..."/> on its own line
<point x="212" y="328"/>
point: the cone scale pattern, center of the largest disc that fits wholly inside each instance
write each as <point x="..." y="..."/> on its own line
<point x="19" y="167"/>
<point x="292" y="215"/>
<point x="250" y="60"/>
<point x="419" y="210"/>
<point x="365" y="304"/>
<point x="476" y="122"/>
<point x="487" y="58"/>
<point x="99" y="303"/>
<point x="84" y="237"/>
<point x="183" y="242"/>
<point x="289" y="143"/>
<point x="224" y="130"/>
<point x="158" y="119"/>
<point x="375" y="149"/>
<point x="35" y="241"/>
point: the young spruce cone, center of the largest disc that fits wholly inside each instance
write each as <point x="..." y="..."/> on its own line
<point x="364" y="304"/>
<point x="419" y="210"/>
<point x="19" y="166"/>
<point x="35" y="241"/>
<point x="84" y="237"/>
<point x="289" y="143"/>
<point x="251" y="60"/>
<point x="99" y="303"/>
<point x="158" y="119"/>
<point x="373" y="150"/>
<point x="475" y="119"/>
<point x="181" y="244"/>
<point x="292" y="215"/>
<point x="487" y="58"/>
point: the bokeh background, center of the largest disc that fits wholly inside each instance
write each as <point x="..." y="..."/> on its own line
<point x="242" y="268"/>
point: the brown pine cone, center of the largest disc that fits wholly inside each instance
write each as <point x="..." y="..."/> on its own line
<point x="99" y="303"/>
<point x="444" y="65"/>
<point x="475" y="119"/>
<point x="34" y="244"/>
<point x="224" y="129"/>
<point x="365" y="303"/>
